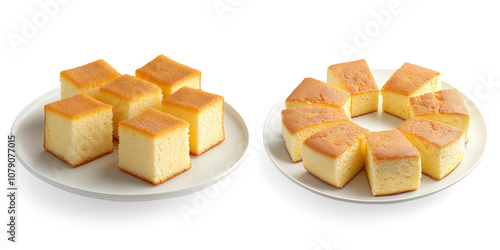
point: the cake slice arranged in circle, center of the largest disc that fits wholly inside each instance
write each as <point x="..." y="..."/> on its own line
<point x="446" y="106"/>
<point x="409" y="80"/>
<point x="441" y="146"/>
<point x="313" y="92"/>
<point x="392" y="163"/>
<point x="356" y="78"/>
<point x="336" y="154"/>
<point x="301" y="122"/>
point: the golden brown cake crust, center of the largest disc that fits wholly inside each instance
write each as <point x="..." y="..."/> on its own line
<point x="297" y="118"/>
<point x="215" y="144"/>
<point x="356" y="76"/>
<point x="434" y="132"/>
<point x="91" y="74"/>
<point x="80" y="163"/>
<point x="163" y="70"/>
<point x="76" y="106"/>
<point x="195" y="99"/>
<point x="154" y="183"/>
<point x="446" y="101"/>
<point x="390" y="144"/>
<point x="334" y="140"/>
<point x="312" y="90"/>
<point x="153" y="122"/>
<point x="408" y="79"/>
<point x="128" y="87"/>
<point x="337" y="186"/>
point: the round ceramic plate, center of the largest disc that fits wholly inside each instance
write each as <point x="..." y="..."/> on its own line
<point x="358" y="189"/>
<point x="102" y="179"/>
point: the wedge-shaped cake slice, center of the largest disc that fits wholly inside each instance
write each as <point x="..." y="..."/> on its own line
<point x="205" y="113"/>
<point x="297" y="124"/>
<point x="446" y="106"/>
<point x="356" y="78"/>
<point x="409" y="80"/>
<point x="87" y="79"/>
<point x="169" y="75"/>
<point x="392" y="163"/>
<point x="336" y="154"/>
<point x="317" y="93"/>
<point x="154" y="146"/>
<point x="129" y="96"/>
<point x="441" y="146"/>
<point x="78" y="129"/>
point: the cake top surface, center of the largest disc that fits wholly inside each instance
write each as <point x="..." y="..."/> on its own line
<point x="163" y="70"/>
<point x="312" y="90"/>
<point x="434" y="132"/>
<point x="128" y="87"/>
<point x="153" y="122"/>
<point x="195" y="99"/>
<point x="334" y="140"/>
<point x="409" y="78"/>
<point x="91" y="74"/>
<point x="446" y="101"/>
<point x="390" y="144"/>
<point x="297" y="118"/>
<point x="77" y="106"/>
<point x="356" y="76"/>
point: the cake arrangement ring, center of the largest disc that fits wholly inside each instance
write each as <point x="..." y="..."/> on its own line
<point x="317" y="137"/>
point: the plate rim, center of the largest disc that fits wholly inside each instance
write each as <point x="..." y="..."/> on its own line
<point x="361" y="201"/>
<point x="131" y="197"/>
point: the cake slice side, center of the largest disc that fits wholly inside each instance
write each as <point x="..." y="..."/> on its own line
<point x="393" y="164"/>
<point x="312" y="92"/>
<point x="441" y="146"/>
<point x="293" y="142"/>
<point x="336" y="171"/>
<point x="301" y="122"/>
<point x="388" y="177"/>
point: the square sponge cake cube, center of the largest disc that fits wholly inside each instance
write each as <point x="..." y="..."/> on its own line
<point x="356" y="78"/>
<point x="336" y="154"/>
<point x="205" y="113"/>
<point x="129" y="96"/>
<point x="78" y="129"/>
<point x="87" y="79"/>
<point x="154" y="146"/>
<point x="441" y="146"/>
<point x="446" y="106"/>
<point x="298" y="123"/>
<point x="409" y="80"/>
<point x="169" y="75"/>
<point x="317" y="93"/>
<point x="392" y="163"/>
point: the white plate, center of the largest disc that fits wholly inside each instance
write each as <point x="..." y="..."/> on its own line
<point x="358" y="190"/>
<point x="102" y="179"/>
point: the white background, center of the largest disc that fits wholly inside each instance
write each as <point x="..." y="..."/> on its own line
<point x="253" y="54"/>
